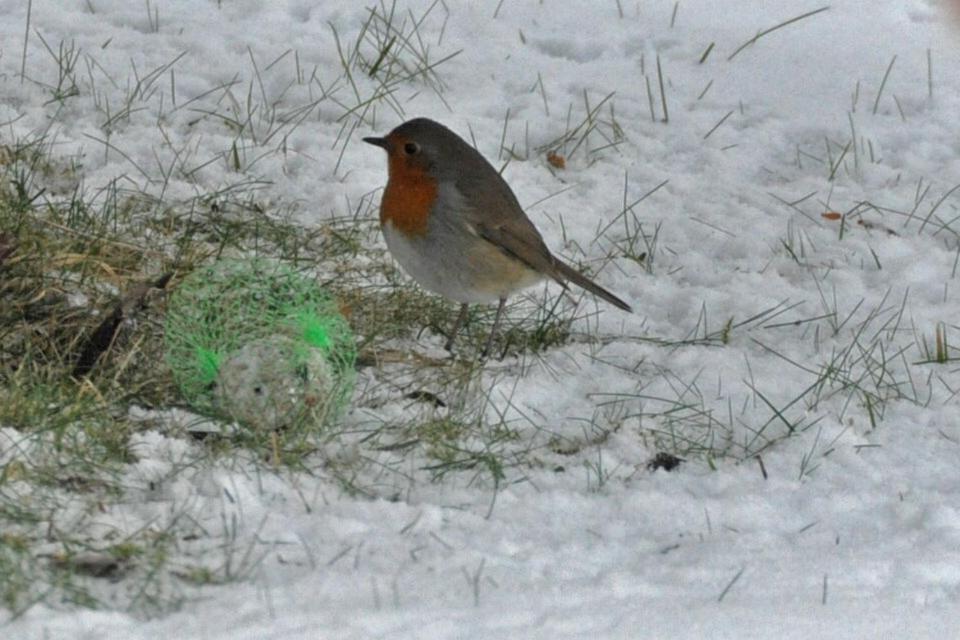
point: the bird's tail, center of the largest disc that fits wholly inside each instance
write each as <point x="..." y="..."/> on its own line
<point x="566" y="272"/>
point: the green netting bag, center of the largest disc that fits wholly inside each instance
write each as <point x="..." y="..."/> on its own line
<point x="253" y="341"/>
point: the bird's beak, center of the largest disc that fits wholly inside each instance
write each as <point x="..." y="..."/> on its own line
<point x="378" y="142"/>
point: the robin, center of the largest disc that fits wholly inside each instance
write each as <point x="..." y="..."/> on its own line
<point x="455" y="226"/>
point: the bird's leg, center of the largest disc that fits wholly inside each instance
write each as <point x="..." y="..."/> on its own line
<point x="496" y="325"/>
<point x="461" y="318"/>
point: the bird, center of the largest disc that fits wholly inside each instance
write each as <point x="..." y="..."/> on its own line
<point x="455" y="226"/>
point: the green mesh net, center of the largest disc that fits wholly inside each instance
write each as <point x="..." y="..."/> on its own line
<point x="255" y="342"/>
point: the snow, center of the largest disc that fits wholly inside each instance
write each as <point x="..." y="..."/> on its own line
<point x="848" y="530"/>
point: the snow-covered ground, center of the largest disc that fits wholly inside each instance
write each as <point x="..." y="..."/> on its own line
<point x="850" y="528"/>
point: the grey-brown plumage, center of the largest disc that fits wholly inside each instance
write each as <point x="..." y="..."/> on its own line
<point x="454" y="224"/>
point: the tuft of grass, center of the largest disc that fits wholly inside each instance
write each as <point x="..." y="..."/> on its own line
<point x="636" y="243"/>
<point x="578" y="133"/>
<point x="388" y="52"/>
<point x="65" y="58"/>
<point x="939" y="352"/>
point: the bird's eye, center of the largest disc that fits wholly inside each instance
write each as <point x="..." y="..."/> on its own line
<point x="411" y="148"/>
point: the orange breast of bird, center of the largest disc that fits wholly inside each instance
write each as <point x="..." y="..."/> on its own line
<point x="408" y="197"/>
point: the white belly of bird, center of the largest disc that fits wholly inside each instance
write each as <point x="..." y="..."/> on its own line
<point x="471" y="272"/>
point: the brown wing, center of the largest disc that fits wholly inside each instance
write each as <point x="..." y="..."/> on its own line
<point x="490" y="207"/>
